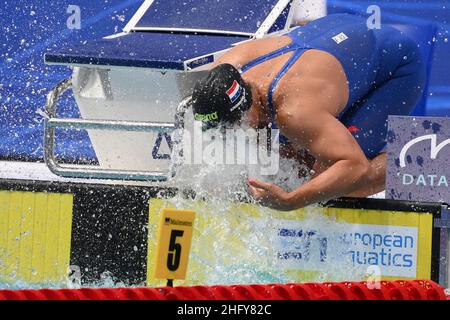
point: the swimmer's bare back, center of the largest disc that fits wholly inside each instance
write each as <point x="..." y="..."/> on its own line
<point x="314" y="71"/>
<point x="313" y="68"/>
<point x="307" y="101"/>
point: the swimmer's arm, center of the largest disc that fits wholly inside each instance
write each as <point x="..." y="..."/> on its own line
<point x="330" y="143"/>
<point x="377" y="177"/>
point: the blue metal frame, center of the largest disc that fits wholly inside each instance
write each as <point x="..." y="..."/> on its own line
<point x="143" y="50"/>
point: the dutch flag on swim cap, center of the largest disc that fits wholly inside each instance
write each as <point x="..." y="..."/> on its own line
<point x="221" y="97"/>
<point x="234" y="92"/>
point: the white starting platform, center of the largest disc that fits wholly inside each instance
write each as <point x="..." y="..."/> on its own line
<point x="129" y="86"/>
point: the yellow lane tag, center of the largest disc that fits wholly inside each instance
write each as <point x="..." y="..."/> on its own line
<point x="174" y="243"/>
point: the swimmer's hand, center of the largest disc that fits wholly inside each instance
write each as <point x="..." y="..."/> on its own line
<point x="270" y="195"/>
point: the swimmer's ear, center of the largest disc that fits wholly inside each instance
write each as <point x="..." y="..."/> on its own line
<point x="248" y="95"/>
<point x="248" y="85"/>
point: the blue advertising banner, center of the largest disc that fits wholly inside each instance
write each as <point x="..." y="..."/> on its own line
<point x="418" y="164"/>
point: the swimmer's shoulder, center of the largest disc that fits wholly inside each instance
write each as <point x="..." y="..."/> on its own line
<point x="316" y="81"/>
<point x="247" y="51"/>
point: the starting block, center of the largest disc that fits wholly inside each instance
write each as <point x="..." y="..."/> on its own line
<point x="134" y="81"/>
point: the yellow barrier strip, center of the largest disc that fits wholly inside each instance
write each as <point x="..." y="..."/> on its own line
<point x="26" y="236"/>
<point x="155" y="209"/>
<point x="35" y="236"/>
<point x="238" y="219"/>
<point x="65" y="232"/>
<point x="4" y="220"/>
<point x="40" y="221"/>
<point x="13" y="245"/>
<point x="425" y="246"/>
<point x="51" y="240"/>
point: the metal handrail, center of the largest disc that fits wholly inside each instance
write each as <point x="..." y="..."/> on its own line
<point x="91" y="172"/>
<point x="87" y="124"/>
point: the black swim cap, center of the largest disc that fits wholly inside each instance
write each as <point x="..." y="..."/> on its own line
<point x="221" y="97"/>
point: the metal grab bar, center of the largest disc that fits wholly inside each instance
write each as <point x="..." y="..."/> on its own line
<point x="91" y="172"/>
<point x="86" y="124"/>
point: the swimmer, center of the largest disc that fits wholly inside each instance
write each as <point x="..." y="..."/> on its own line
<point x="329" y="87"/>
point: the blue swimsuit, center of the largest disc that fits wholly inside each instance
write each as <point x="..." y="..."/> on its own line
<point x="384" y="69"/>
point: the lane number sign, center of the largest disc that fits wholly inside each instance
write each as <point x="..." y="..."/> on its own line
<point x="174" y="244"/>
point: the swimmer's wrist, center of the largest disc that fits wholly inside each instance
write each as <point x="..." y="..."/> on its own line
<point x="294" y="200"/>
<point x="304" y="196"/>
